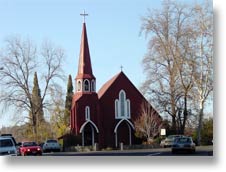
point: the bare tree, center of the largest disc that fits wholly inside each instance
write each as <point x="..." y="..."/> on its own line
<point x="171" y="65"/>
<point x="20" y="59"/>
<point x="149" y="123"/>
<point x="167" y="28"/>
<point x="203" y="78"/>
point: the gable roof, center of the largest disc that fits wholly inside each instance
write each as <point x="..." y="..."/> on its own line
<point x="110" y="82"/>
<point x="107" y="85"/>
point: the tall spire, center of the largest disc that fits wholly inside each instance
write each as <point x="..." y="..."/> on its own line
<point x="84" y="66"/>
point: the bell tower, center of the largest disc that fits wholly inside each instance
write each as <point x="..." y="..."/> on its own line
<point x="85" y="80"/>
<point x="85" y="103"/>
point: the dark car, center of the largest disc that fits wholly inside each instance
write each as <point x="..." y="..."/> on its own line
<point x="183" y="144"/>
<point x="29" y="148"/>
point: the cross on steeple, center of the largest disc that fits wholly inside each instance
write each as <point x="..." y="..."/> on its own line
<point x="121" y="67"/>
<point x="84" y="14"/>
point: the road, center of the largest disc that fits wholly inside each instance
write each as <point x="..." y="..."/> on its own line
<point x="200" y="151"/>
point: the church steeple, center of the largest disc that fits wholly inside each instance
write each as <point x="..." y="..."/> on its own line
<point x="84" y="65"/>
<point x="85" y="80"/>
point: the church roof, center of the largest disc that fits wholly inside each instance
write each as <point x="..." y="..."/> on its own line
<point x="84" y="65"/>
<point x="107" y="85"/>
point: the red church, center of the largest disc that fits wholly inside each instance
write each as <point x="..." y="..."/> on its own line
<point x="105" y="117"/>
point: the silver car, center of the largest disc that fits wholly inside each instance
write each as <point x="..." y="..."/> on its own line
<point x="183" y="144"/>
<point x="168" y="141"/>
<point x="7" y="146"/>
<point x="51" y="145"/>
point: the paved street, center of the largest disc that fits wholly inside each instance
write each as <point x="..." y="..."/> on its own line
<point x="200" y="151"/>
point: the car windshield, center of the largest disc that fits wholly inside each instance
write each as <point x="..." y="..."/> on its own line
<point x="183" y="140"/>
<point x="6" y="143"/>
<point x="170" y="137"/>
<point x="26" y="144"/>
<point x="51" y="141"/>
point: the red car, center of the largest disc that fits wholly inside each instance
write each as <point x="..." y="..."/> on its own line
<point x="29" y="148"/>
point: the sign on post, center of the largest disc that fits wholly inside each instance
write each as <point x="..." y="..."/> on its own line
<point x="163" y="132"/>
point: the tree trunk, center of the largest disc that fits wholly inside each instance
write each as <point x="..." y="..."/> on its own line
<point x="173" y="128"/>
<point x="174" y="125"/>
<point x="34" y="127"/>
<point x="185" y="115"/>
<point x="200" y="124"/>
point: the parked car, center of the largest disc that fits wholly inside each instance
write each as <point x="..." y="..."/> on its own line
<point x="168" y="141"/>
<point x="10" y="136"/>
<point x="51" y="145"/>
<point x="183" y="144"/>
<point x="7" y="146"/>
<point x="29" y="148"/>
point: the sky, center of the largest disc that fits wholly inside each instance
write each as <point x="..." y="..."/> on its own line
<point x="113" y="29"/>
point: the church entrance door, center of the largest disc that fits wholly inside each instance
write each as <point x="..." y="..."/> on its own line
<point x="123" y="133"/>
<point x="89" y="135"/>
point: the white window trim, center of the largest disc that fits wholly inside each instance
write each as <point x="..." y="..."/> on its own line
<point x="116" y="109"/>
<point x="93" y="86"/>
<point x="127" y="110"/>
<point x="88" y="85"/>
<point x="124" y="103"/>
<point x="87" y="113"/>
<point x="80" y="85"/>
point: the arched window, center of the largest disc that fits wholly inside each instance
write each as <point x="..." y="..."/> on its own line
<point x="122" y="103"/>
<point x="79" y="85"/>
<point x="116" y="109"/>
<point x="86" y="85"/>
<point x="122" y="106"/>
<point x="128" y="108"/>
<point x="87" y="113"/>
<point x="93" y="85"/>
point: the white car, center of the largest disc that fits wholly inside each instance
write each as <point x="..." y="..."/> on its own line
<point x="7" y="146"/>
<point x="51" y="146"/>
<point x="168" y="141"/>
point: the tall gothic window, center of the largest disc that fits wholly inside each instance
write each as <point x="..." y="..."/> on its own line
<point x="128" y="108"/>
<point x="86" y="85"/>
<point x="122" y="106"/>
<point x="116" y="109"/>
<point x="79" y="86"/>
<point x="93" y="85"/>
<point x="87" y="113"/>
